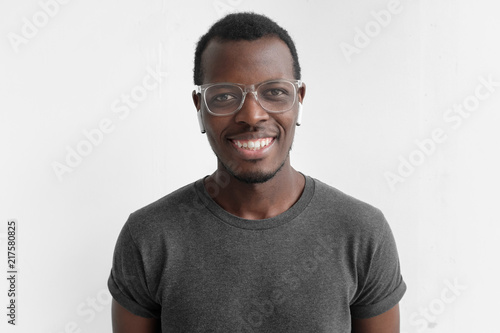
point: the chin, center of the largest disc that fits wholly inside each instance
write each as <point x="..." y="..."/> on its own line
<point x="253" y="177"/>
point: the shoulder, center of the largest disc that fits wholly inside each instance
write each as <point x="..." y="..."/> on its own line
<point x="147" y="221"/>
<point x="346" y="212"/>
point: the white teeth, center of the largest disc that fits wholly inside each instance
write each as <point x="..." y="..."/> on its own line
<point x="254" y="145"/>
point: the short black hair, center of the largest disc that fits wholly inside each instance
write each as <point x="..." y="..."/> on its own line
<point x="243" y="26"/>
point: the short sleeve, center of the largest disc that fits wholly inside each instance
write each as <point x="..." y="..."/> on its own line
<point x="127" y="281"/>
<point x="381" y="285"/>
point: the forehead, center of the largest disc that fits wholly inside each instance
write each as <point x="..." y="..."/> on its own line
<point x="246" y="62"/>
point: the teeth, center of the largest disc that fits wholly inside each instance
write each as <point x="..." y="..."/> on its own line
<point x="254" y="145"/>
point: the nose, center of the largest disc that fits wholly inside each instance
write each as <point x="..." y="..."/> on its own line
<point x="251" y="112"/>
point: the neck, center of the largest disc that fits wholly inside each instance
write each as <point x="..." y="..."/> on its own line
<point x="256" y="201"/>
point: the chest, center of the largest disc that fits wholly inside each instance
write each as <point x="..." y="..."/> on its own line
<point x="257" y="284"/>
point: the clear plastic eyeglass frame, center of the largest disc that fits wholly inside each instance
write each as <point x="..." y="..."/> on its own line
<point x="245" y="89"/>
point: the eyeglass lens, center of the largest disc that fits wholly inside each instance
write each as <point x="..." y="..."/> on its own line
<point x="274" y="96"/>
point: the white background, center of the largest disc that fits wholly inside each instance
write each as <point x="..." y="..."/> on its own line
<point x="362" y="114"/>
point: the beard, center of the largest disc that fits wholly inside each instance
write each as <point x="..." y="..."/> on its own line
<point x="256" y="177"/>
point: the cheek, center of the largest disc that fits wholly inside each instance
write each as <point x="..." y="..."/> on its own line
<point x="212" y="137"/>
<point x="287" y="124"/>
<point x="214" y="128"/>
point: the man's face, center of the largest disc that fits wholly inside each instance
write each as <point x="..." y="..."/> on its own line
<point x="249" y="62"/>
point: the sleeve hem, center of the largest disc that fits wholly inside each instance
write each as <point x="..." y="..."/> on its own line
<point x="372" y="310"/>
<point x="124" y="301"/>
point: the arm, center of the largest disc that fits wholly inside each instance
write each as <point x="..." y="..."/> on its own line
<point x="126" y="322"/>
<point x="387" y="322"/>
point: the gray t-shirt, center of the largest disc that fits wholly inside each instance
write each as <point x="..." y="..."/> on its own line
<point x="186" y="260"/>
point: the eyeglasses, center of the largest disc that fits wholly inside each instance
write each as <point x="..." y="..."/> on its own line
<point x="275" y="96"/>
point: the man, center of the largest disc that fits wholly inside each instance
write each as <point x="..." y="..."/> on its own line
<point x="256" y="246"/>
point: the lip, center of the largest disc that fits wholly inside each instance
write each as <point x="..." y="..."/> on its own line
<point x="252" y="154"/>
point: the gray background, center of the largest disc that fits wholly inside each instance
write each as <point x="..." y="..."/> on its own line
<point x="364" y="113"/>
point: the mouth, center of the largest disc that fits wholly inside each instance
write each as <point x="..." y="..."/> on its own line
<point x="253" y="145"/>
<point x="253" y="149"/>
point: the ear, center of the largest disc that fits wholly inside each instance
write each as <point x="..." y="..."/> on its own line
<point x="302" y="92"/>
<point x="196" y="100"/>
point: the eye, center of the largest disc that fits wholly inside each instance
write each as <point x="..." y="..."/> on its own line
<point x="275" y="92"/>
<point x="223" y="98"/>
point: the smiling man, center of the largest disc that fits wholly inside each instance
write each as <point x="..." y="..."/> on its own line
<point x="257" y="246"/>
